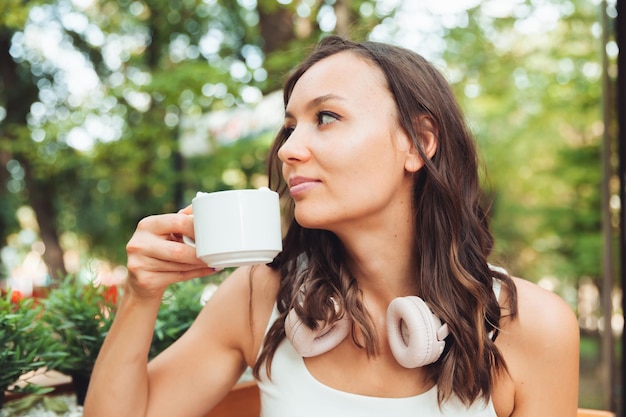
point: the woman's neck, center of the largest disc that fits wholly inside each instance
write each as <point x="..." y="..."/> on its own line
<point x="383" y="261"/>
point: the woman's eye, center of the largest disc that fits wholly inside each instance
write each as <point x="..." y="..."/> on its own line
<point x="287" y="131"/>
<point x="325" y="117"/>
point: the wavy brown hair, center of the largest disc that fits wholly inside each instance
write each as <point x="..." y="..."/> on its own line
<point x="452" y="238"/>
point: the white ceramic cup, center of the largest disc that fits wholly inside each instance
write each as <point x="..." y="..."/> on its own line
<point x="236" y="227"/>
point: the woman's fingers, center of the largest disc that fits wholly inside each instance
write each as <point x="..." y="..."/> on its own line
<point x="165" y="224"/>
<point x="162" y="248"/>
<point x="149" y="284"/>
<point x="187" y="210"/>
<point x="156" y="256"/>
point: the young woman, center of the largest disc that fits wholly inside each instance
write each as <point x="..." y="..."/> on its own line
<point x="383" y="301"/>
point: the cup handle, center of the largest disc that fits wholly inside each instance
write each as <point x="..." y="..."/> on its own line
<point x="189" y="241"/>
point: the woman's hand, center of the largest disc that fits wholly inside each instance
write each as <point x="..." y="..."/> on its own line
<point x="157" y="257"/>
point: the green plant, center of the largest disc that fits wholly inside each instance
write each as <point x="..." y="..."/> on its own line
<point x="26" y="344"/>
<point x="181" y="304"/>
<point x="22" y="405"/>
<point x="80" y="315"/>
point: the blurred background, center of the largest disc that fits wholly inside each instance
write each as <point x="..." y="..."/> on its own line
<point x="112" y="110"/>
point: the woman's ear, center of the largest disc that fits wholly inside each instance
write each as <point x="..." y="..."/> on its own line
<point x="427" y="130"/>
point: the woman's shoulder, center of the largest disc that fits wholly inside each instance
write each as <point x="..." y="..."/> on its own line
<point x="540" y="346"/>
<point x="542" y="317"/>
<point x="540" y="311"/>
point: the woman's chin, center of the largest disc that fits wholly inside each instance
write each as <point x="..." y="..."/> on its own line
<point x="309" y="220"/>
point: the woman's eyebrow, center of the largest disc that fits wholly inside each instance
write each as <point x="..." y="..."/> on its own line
<point x="317" y="101"/>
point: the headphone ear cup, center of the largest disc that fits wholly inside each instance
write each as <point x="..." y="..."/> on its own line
<point x="416" y="335"/>
<point x="308" y="342"/>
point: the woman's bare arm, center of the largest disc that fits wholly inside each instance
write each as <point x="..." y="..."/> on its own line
<point x="119" y="384"/>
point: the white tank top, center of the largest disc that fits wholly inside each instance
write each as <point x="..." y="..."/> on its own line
<point x="294" y="392"/>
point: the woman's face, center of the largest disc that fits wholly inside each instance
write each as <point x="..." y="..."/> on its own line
<point x="345" y="157"/>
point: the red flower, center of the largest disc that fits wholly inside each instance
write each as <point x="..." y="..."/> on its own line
<point x="16" y="296"/>
<point x="111" y="294"/>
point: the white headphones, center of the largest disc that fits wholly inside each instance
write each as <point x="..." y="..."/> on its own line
<point x="416" y="335"/>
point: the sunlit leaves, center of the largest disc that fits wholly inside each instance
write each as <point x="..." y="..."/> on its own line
<point x="101" y="126"/>
<point x="530" y="84"/>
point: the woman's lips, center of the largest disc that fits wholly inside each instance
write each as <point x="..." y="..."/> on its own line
<point x="298" y="185"/>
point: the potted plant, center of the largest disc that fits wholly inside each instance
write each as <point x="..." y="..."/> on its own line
<point x="26" y="345"/>
<point x="80" y="315"/>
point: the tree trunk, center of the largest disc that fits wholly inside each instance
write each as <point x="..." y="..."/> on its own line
<point x="277" y="28"/>
<point x="41" y="200"/>
<point x="344" y="21"/>
<point x="19" y="92"/>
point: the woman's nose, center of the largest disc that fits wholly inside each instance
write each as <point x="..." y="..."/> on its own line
<point x="295" y="148"/>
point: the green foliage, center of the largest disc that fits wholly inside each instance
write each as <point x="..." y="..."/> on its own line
<point x="179" y="56"/>
<point x="66" y="330"/>
<point x="22" y="405"/>
<point x="14" y="13"/>
<point x="533" y="99"/>
<point x="25" y="342"/>
<point x="80" y="315"/>
<point x="181" y="304"/>
<point x="239" y="165"/>
<point x="577" y="211"/>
